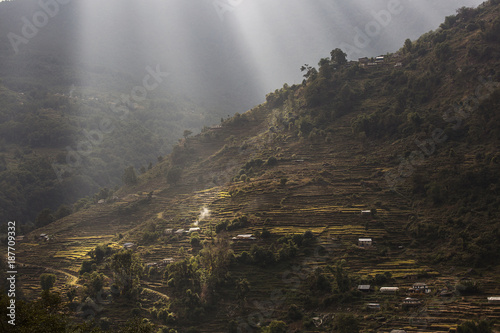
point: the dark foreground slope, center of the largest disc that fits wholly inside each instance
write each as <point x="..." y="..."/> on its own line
<point x="414" y="140"/>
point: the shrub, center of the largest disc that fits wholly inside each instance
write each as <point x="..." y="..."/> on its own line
<point x="294" y="313"/>
<point x="265" y="233"/>
<point x="174" y="175"/>
<point x="346" y="323"/>
<point x="47" y="281"/>
<point x="195" y="240"/>
<point x="482" y="326"/>
<point x="261" y="255"/>
<point x="276" y="326"/>
<point x="271" y="161"/>
<point x="86" y="266"/>
<point x="244" y="258"/>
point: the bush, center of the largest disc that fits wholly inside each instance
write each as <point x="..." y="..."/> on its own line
<point x="265" y="233"/>
<point x="261" y="255"/>
<point x="276" y="326"/>
<point x="271" y="161"/>
<point x="221" y="226"/>
<point x="174" y="175"/>
<point x="86" y="266"/>
<point x="468" y="287"/>
<point x="129" y="177"/>
<point x="475" y="327"/>
<point x="294" y="313"/>
<point x="47" y="281"/>
<point x="244" y="258"/>
<point x="195" y="240"/>
<point x="346" y="323"/>
<point x="232" y="327"/>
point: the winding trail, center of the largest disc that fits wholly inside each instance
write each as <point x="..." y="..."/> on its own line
<point x="71" y="278"/>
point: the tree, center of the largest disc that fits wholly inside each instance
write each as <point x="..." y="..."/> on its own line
<point x="94" y="283"/>
<point x="71" y="294"/>
<point x="242" y="288"/>
<point x="342" y="278"/>
<point x="100" y="252"/>
<point x="187" y="133"/>
<point x="129" y="177"/>
<point x="62" y="211"/>
<point x="195" y="240"/>
<point x="346" y="323"/>
<point x="276" y="326"/>
<point x="216" y="257"/>
<point x="44" y="217"/>
<point x="338" y="57"/>
<point x="174" y="175"/>
<point x="294" y="312"/>
<point x="475" y="327"/>
<point x="137" y="325"/>
<point x="408" y="46"/>
<point x="47" y="281"/>
<point x="311" y="72"/>
<point x="127" y="267"/>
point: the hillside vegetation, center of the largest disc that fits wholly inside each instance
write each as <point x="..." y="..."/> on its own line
<point x="411" y="141"/>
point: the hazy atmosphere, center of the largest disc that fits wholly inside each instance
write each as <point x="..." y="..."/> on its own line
<point x="213" y="49"/>
<point x="249" y="166"/>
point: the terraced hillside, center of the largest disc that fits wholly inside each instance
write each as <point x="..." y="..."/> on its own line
<point x="296" y="173"/>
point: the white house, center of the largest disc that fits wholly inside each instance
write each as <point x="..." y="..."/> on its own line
<point x="409" y="301"/>
<point x="244" y="237"/>
<point x="389" y="290"/>
<point x="365" y="242"/>
<point x="365" y="287"/>
<point x="373" y="306"/>
<point x="420" y="287"/>
<point x="366" y="212"/>
<point x="494" y="300"/>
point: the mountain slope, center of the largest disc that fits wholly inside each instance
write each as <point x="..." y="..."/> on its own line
<point x="296" y="172"/>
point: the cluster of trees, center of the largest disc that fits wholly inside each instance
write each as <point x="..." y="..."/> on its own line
<point x="196" y="281"/>
<point x="236" y="223"/>
<point x="287" y="248"/>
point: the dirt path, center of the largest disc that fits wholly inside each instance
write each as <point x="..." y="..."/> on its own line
<point x="71" y="278"/>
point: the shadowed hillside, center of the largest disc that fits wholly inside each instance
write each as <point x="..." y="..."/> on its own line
<point x="382" y="172"/>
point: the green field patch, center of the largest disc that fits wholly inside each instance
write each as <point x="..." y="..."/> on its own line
<point x="355" y="230"/>
<point x="318" y="209"/>
<point x="30" y="244"/>
<point x="75" y="253"/>
<point x="90" y="237"/>
<point x="401" y="263"/>
<point x="296" y="230"/>
<point x="397" y="269"/>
